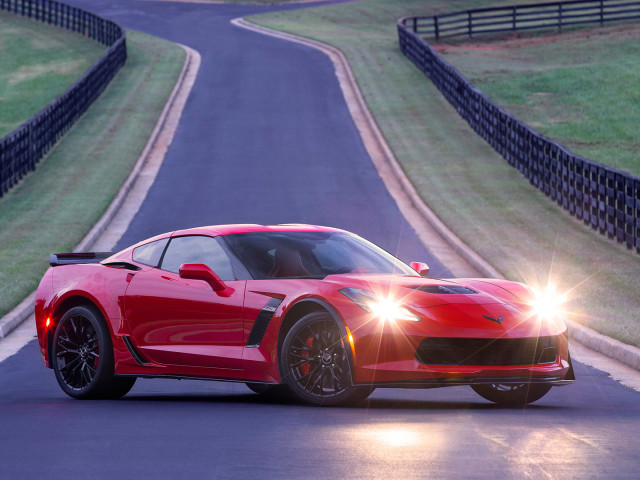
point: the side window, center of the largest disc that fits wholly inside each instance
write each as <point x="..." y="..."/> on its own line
<point x="197" y="249"/>
<point x="150" y="253"/>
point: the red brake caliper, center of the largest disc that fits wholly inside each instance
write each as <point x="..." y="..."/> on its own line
<point x="95" y="361"/>
<point x="306" y="367"/>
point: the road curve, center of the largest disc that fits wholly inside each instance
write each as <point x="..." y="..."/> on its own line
<point x="266" y="137"/>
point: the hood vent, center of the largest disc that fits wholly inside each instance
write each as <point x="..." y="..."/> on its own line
<point x="445" y="289"/>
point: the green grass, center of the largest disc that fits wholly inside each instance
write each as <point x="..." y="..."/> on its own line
<point x="38" y="67"/>
<point x="580" y="88"/>
<point x="53" y="208"/>
<point x="490" y="205"/>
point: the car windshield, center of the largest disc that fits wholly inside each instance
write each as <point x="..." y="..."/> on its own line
<point x="298" y="254"/>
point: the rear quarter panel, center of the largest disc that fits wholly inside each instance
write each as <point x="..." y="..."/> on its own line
<point x="66" y="286"/>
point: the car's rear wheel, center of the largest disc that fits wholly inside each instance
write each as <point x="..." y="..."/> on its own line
<point x="314" y="363"/>
<point x="512" y="395"/>
<point x="83" y="356"/>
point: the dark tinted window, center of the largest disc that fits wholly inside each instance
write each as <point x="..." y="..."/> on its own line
<point x="311" y="255"/>
<point x="197" y="249"/>
<point x="150" y="253"/>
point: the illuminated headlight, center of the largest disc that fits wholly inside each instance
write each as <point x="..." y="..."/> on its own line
<point x="547" y="303"/>
<point x="385" y="309"/>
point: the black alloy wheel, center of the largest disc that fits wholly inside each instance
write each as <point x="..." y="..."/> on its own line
<point x="515" y="395"/>
<point x="315" y="365"/>
<point x="83" y="356"/>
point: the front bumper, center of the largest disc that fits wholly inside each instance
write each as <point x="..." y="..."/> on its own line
<point x="393" y="354"/>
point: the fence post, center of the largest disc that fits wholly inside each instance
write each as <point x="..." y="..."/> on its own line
<point x="560" y="16"/>
<point x="437" y="29"/>
<point x="513" y="18"/>
<point x="415" y="24"/>
<point x="601" y="13"/>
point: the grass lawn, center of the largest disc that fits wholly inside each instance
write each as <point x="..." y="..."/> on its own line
<point x="580" y="88"/>
<point x="489" y="204"/>
<point x="54" y="207"/>
<point x="38" y="66"/>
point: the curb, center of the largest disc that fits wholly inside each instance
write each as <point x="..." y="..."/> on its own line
<point x="151" y="156"/>
<point x="388" y="166"/>
<point x="610" y="347"/>
<point x="15" y="317"/>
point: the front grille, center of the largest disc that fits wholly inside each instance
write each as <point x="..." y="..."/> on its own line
<point x="488" y="351"/>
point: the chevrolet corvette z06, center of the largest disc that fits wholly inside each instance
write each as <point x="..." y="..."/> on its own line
<point x="316" y="311"/>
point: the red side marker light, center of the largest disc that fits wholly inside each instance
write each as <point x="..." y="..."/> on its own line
<point x="48" y="322"/>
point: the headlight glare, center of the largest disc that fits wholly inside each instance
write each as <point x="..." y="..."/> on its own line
<point x="547" y="303"/>
<point x="386" y="309"/>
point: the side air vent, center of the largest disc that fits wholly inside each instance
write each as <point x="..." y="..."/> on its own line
<point x="137" y="356"/>
<point x="262" y="322"/>
<point x="445" y="289"/>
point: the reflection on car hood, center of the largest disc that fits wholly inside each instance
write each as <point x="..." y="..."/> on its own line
<point x="423" y="292"/>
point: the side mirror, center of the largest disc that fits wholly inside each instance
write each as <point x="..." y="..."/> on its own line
<point x="199" y="271"/>
<point x="421" y="268"/>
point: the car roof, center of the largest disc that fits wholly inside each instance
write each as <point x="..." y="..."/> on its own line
<point x="245" y="228"/>
<point x="215" y="230"/>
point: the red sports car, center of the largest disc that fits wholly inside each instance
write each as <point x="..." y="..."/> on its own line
<point x="316" y="311"/>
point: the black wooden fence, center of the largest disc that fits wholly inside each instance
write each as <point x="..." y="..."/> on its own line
<point x="605" y="198"/>
<point x="23" y="148"/>
<point x="555" y="15"/>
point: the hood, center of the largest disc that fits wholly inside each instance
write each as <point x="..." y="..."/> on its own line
<point x="420" y="292"/>
<point x="461" y="307"/>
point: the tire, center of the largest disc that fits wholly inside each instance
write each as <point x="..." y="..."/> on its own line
<point x="315" y="365"/>
<point x="83" y="356"/>
<point x="512" y="395"/>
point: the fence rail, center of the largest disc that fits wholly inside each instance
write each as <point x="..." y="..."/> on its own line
<point x="605" y="198"/>
<point x="23" y="148"/>
<point x="555" y="15"/>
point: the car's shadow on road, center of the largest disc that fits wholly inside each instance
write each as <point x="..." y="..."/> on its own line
<point x="291" y="401"/>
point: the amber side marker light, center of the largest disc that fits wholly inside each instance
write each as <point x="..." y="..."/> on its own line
<point x="48" y="322"/>
<point x="350" y="337"/>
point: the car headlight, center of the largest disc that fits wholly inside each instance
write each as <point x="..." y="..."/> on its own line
<point x="547" y="303"/>
<point x="386" y="309"/>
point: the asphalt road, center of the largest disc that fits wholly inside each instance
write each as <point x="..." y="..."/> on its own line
<point x="266" y="137"/>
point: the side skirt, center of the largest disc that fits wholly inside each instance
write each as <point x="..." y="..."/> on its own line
<point x="189" y="377"/>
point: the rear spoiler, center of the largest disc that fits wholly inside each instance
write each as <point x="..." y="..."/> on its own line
<point x="79" y="257"/>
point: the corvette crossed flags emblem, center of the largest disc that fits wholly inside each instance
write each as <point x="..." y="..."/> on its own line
<point x="497" y="320"/>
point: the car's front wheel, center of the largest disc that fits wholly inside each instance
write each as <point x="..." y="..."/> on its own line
<point x="83" y="356"/>
<point x="512" y="395"/>
<point x="314" y="363"/>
